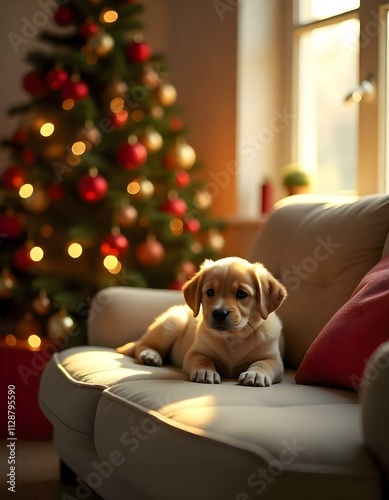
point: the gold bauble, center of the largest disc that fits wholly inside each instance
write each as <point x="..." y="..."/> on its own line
<point x="152" y="140"/>
<point x="7" y="284"/>
<point x="181" y="156"/>
<point x="202" y="200"/>
<point x="127" y="216"/>
<point x="116" y="88"/>
<point x="150" y="79"/>
<point x="101" y="43"/>
<point x="38" y="202"/>
<point x="166" y="94"/>
<point x="146" y="190"/>
<point x="216" y="240"/>
<point x="41" y="305"/>
<point x="60" y="325"/>
<point x="27" y="326"/>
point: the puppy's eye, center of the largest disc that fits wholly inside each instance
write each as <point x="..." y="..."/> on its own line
<point x="241" y="294"/>
<point x="210" y="292"/>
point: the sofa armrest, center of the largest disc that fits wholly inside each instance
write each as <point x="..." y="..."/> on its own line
<point x="375" y="405"/>
<point x="118" y="315"/>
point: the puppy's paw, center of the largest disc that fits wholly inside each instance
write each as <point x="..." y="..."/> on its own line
<point x="205" y="377"/>
<point x="257" y="379"/>
<point x="150" y="357"/>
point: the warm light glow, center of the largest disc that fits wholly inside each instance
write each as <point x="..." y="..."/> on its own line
<point x="133" y="187"/>
<point x="46" y="230"/>
<point x="10" y="340"/>
<point x="47" y="129"/>
<point x="68" y="104"/>
<point x="109" y="16"/>
<point x="34" y="341"/>
<point x="75" y="250"/>
<point x="26" y="191"/>
<point x="137" y="115"/>
<point x="78" y="148"/>
<point x="121" y="117"/>
<point x="117" y="104"/>
<point x="176" y="226"/>
<point x="36" y="254"/>
<point x="110" y="262"/>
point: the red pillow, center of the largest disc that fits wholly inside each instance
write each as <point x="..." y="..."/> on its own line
<point x="338" y="355"/>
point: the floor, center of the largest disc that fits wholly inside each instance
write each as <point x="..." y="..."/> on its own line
<point x="37" y="473"/>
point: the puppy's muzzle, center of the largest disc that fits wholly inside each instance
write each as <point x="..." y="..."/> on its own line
<point x="219" y="315"/>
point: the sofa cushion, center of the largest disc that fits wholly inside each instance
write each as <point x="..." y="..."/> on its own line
<point x="234" y="437"/>
<point x="306" y="245"/>
<point x="74" y="379"/>
<point x="338" y="355"/>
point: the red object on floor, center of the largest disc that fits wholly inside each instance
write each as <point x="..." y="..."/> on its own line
<point x="20" y="372"/>
<point x="266" y="197"/>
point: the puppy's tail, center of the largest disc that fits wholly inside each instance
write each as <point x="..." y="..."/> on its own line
<point x="127" y="349"/>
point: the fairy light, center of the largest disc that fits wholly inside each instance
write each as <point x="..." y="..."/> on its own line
<point x="133" y="187"/>
<point x="10" y="340"/>
<point x="68" y="104"/>
<point x="75" y="250"/>
<point x="111" y="262"/>
<point x="78" y="148"/>
<point x="117" y="104"/>
<point x="26" y="191"/>
<point x="36" y="254"/>
<point x="109" y="16"/>
<point x="34" y="341"/>
<point x="47" y="129"/>
<point x="176" y="226"/>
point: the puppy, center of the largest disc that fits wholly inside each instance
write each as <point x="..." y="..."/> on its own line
<point x="227" y="329"/>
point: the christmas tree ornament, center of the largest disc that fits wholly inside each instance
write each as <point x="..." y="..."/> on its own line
<point x="176" y="285"/>
<point x="166" y="94"/>
<point x="27" y="326"/>
<point x="64" y="16"/>
<point x="151" y="140"/>
<point x="150" y="78"/>
<point x="176" y="124"/>
<point x="114" y="244"/>
<point x="187" y="269"/>
<point x="41" y="305"/>
<point x="181" y="155"/>
<point x="176" y="207"/>
<point x="119" y="119"/>
<point x="127" y="215"/>
<point x="101" y="43"/>
<point x="35" y="84"/>
<point x="131" y="155"/>
<point x="75" y="90"/>
<point x="182" y="179"/>
<point x="56" y="77"/>
<point x="7" y="284"/>
<point x="202" y="199"/>
<point x="22" y="259"/>
<point x="92" y="187"/>
<point x="116" y="88"/>
<point x="192" y="226"/>
<point x="216" y="240"/>
<point x="145" y="191"/>
<point x="88" y="29"/>
<point x="157" y="112"/>
<point x="138" y="51"/>
<point x="150" y="253"/>
<point x="60" y="325"/>
<point x="38" y="202"/>
<point x="11" y="225"/>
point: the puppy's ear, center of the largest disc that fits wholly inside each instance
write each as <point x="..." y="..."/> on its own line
<point x="193" y="288"/>
<point x="271" y="293"/>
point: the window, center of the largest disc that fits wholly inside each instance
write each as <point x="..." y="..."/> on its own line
<point x="340" y="89"/>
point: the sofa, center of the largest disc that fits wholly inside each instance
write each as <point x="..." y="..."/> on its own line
<point x="130" y="431"/>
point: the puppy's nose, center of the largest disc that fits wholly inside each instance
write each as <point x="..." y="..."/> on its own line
<point x="220" y="314"/>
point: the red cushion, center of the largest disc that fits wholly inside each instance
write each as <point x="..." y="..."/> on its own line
<point x="338" y="355"/>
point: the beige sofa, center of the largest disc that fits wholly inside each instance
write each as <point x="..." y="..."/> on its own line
<point x="141" y="432"/>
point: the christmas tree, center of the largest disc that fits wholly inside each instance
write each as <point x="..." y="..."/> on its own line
<point x="99" y="190"/>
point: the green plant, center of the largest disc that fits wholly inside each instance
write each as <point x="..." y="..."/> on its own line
<point x="296" y="178"/>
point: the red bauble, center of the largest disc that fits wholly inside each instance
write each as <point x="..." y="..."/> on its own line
<point x="138" y="52"/>
<point x="22" y="259"/>
<point x="175" y="285"/>
<point x="35" y="84"/>
<point x="55" y="192"/>
<point x="131" y="156"/>
<point x="10" y="226"/>
<point x="88" y="29"/>
<point x="74" y="90"/>
<point x="182" y="179"/>
<point x="64" y="16"/>
<point x="14" y="177"/>
<point x="92" y="189"/>
<point x="192" y="225"/>
<point x="176" y="207"/>
<point x="119" y="119"/>
<point x="114" y="244"/>
<point x="150" y="253"/>
<point x="55" y="78"/>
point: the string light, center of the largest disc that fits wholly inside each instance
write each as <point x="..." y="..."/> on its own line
<point x="112" y="264"/>
<point x="47" y="129"/>
<point x="117" y="104"/>
<point x="75" y="250"/>
<point x="78" y="148"/>
<point x="109" y="16"/>
<point x="133" y="187"/>
<point x="36" y="254"/>
<point x="34" y="341"/>
<point x="68" y="104"/>
<point x="10" y="340"/>
<point x="176" y="226"/>
<point x="26" y="191"/>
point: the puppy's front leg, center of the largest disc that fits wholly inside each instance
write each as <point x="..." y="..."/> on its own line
<point x="200" y="368"/>
<point x="262" y="373"/>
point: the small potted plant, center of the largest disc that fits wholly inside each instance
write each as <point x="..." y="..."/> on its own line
<point x="295" y="179"/>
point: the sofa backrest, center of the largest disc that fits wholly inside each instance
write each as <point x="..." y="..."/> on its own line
<point x="320" y="250"/>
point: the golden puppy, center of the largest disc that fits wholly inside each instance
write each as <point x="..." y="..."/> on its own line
<point x="228" y="327"/>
